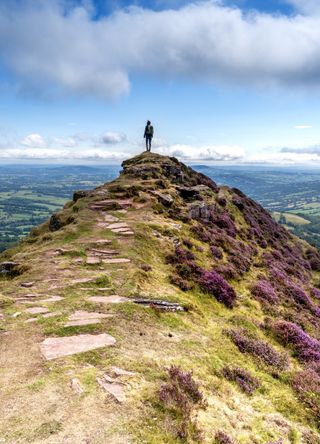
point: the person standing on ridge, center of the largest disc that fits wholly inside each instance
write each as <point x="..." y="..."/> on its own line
<point x="148" y="134"/>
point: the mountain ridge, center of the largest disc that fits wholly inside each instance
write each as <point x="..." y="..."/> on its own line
<point x="248" y="297"/>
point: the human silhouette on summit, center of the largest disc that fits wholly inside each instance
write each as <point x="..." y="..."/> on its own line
<point x="148" y="134"/>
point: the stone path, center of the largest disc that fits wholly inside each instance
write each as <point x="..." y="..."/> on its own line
<point x="36" y="310"/>
<point x="81" y="317"/>
<point x="116" y="261"/>
<point x="52" y="348"/>
<point x="114" y="299"/>
<point x="41" y="301"/>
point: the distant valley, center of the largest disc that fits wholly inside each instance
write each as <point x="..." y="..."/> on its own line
<point x="30" y="194"/>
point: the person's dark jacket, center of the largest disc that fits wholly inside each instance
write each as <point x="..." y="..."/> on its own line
<point x="148" y="132"/>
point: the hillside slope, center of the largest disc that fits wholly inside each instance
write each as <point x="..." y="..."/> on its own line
<point x="105" y="309"/>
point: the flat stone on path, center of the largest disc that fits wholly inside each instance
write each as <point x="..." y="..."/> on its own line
<point x="52" y="348"/>
<point x="95" y="252"/>
<point x="80" y="322"/>
<point x="114" y="299"/>
<point x="93" y="260"/>
<point x="52" y="314"/>
<point x="36" y="310"/>
<point x="110" y="218"/>
<point x="114" y="389"/>
<point x="101" y="242"/>
<point x="116" y="261"/>
<point x="81" y="314"/>
<point x="52" y="299"/>
<point x="116" y="372"/>
<point x="49" y="299"/>
<point x="120" y="230"/>
<point x="27" y="284"/>
<point x="118" y="225"/>
<point x="76" y="386"/>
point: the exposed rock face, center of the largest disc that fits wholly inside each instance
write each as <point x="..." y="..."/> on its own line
<point x="8" y="267"/>
<point x="57" y="221"/>
<point x="201" y="211"/>
<point x="80" y="195"/>
<point x="159" y="167"/>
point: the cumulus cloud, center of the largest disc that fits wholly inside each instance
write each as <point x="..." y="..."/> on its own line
<point x="112" y="137"/>
<point x="34" y="141"/>
<point x="49" y="46"/>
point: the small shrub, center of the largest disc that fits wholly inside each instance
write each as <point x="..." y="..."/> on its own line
<point x="181" y="394"/>
<point x="213" y="283"/>
<point x="216" y="252"/>
<point x="181" y="283"/>
<point x="315" y="292"/>
<point x="307" y="348"/>
<point x="5" y="301"/>
<point x="180" y="256"/>
<point x="259" y="349"/>
<point x="307" y="385"/>
<point x="222" y="438"/>
<point x="264" y="292"/>
<point x="187" y="243"/>
<point x="242" y="378"/>
<point x="146" y="267"/>
<point x="300" y="296"/>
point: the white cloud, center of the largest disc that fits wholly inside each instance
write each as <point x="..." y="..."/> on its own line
<point x="301" y="151"/>
<point x="302" y="127"/>
<point x="50" y="154"/>
<point x="34" y="141"/>
<point x="204" y="153"/>
<point x="53" y="48"/>
<point x="112" y="137"/>
<point x="306" y="6"/>
<point x="68" y="142"/>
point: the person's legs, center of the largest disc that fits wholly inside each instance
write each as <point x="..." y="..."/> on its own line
<point x="147" y="143"/>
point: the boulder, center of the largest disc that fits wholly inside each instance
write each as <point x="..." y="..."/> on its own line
<point x="80" y="195"/>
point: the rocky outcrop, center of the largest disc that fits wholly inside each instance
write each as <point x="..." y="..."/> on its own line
<point x="80" y="195"/>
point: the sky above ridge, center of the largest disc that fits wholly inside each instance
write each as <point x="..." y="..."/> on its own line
<point x="222" y="81"/>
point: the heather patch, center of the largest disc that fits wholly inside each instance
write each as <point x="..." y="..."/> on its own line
<point x="225" y="222"/>
<point x="264" y="292"/>
<point x="315" y="292"/>
<point x="216" y="252"/>
<point x="181" y="395"/>
<point x="264" y="352"/>
<point x="307" y="385"/>
<point x="306" y="348"/>
<point x="242" y="378"/>
<point x="222" y="438"/>
<point x="214" y="284"/>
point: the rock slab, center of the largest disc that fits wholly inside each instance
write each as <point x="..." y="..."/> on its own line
<point x="114" y="299"/>
<point x="52" y="348"/>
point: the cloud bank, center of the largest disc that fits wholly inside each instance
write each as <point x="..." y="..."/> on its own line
<point x="50" y="47"/>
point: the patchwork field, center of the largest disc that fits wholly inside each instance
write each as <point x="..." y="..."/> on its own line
<point x="29" y="195"/>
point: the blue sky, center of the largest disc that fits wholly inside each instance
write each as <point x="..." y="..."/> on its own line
<point x="222" y="81"/>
